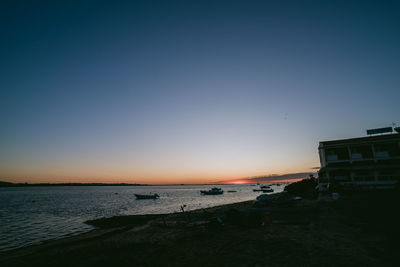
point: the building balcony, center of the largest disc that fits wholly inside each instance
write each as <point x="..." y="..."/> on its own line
<point x="388" y="178"/>
<point x="342" y="178"/>
<point x="332" y="158"/>
<point x="356" y="156"/>
<point x="365" y="178"/>
<point x="381" y="154"/>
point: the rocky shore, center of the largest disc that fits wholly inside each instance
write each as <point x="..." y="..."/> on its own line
<point x="358" y="229"/>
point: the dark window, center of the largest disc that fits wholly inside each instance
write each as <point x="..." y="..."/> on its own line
<point x="361" y="152"/>
<point x="337" y="154"/>
<point x="392" y="149"/>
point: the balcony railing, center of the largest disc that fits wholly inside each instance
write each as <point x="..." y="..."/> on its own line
<point x="356" y="156"/>
<point x="366" y="178"/>
<point x="381" y="154"/>
<point x="332" y="158"/>
<point x="388" y="177"/>
<point x="342" y="178"/>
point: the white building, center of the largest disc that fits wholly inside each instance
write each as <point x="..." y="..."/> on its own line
<point x="371" y="162"/>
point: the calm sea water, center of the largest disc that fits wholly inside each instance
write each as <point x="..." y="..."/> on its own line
<point x="29" y="215"/>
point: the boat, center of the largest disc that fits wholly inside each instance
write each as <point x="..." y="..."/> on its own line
<point x="154" y="196"/>
<point x="213" y="191"/>
<point x="268" y="190"/>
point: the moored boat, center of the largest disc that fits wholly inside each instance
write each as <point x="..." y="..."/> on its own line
<point x="212" y="191"/>
<point x="268" y="190"/>
<point x="153" y="196"/>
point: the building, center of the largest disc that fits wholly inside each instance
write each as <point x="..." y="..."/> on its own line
<point x="370" y="162"/>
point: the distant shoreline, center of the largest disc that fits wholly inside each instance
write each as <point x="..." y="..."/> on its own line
<point x="8" y="184"/>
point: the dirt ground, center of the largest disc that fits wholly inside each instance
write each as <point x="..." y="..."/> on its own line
<point x="356" y="230"/>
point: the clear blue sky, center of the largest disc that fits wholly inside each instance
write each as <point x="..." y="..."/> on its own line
<point x="189" y="91"/>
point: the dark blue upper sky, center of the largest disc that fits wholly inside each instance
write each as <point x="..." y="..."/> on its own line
<point x="188" y="91"/>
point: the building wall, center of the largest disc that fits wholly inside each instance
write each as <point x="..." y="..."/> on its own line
<point x="369" y="161"/>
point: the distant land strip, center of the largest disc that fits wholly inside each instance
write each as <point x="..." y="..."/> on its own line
<point x="8" y="184"/>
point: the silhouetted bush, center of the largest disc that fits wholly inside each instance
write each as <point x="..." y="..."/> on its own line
<point x="304" y="188"/>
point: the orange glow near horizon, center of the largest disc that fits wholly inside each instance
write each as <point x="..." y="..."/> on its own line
<point x="265" y="181"/>
<point x="155" y="176"/>
<point x="237" y="182"/>
<point x="112" y="180"/>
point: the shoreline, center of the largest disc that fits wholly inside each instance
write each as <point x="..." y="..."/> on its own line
<point x="138" y="220"/>
<point x="357" y="230"/>
<point x="106" y="223"/>
<point x="60" y="222"/>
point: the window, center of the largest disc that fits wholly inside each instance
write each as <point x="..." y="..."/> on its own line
<point x="361" y="152"/>
<point x="387" y="150"/>
<point x="334" y="154"/>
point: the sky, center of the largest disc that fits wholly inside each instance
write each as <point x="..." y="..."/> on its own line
<point x="164" y="92"/>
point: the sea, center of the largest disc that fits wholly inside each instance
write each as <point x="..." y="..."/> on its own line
<point x="31" y="215"/>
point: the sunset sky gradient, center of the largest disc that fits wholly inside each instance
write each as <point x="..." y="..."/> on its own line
<point x="189" y="91"/>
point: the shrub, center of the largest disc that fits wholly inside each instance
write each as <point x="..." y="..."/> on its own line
<point x="304" y="188"/>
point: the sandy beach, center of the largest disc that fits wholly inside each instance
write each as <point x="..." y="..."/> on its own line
<point x="356" y="230"/>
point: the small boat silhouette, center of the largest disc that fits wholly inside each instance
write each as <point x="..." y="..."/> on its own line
<point x="213" y="191"/>
<point x="154" y="196"/>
